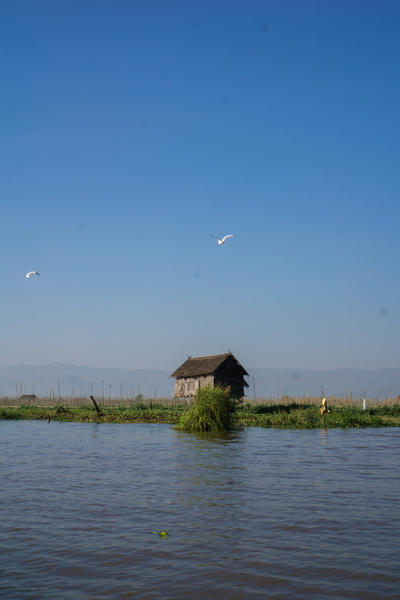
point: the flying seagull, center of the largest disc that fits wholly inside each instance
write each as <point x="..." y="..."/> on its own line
<point x="223" y="239"/>
<point x="31" y="273"/>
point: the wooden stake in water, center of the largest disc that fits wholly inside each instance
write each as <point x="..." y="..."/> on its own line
<point x="96" y="406"/>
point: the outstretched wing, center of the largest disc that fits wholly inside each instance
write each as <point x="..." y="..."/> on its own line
<point x="228" y="236"/>
<point x="214" y="236"/>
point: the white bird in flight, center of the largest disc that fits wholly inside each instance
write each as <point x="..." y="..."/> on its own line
<point x="223" y="239"/>
<point x="31" y="273"/>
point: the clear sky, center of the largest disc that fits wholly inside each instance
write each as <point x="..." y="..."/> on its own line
<point x="132" y="130"/>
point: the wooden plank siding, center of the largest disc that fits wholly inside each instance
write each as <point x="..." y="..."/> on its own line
<point x="188" y="386"/>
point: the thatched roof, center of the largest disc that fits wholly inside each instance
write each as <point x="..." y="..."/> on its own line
<point x="28" y="397"/>
<point x="206" y="365"/>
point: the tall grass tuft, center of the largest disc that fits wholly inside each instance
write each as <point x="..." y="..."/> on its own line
<point x="211" y="411"/>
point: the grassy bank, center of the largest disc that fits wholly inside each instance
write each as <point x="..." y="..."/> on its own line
<point x="284" y="415"/>
<point x="307" y="416"/>
<point x="87" y="414"/>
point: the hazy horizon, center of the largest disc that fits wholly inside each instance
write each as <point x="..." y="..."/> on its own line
<point x="173" y="367"/>
<point x="59" y="379"/>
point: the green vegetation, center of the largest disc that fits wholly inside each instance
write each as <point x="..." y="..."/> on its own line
<point x="87" y="414"/>
<point x="211" y="411"/>
<point x="296" y="415"/>
<point x="214" y="411"/>
<point x="162" y="534"/>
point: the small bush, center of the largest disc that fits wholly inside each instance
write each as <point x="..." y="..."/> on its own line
<point x="390" y="410"/>
<point x="7" y="413"/>
<point x="349" y="416"/>
<point x="211" y="411"/>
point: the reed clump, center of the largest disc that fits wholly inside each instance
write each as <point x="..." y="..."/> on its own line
<point x="211" y="411"/>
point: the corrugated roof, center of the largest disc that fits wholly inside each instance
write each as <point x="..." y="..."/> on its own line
<point x="204" y="365"/>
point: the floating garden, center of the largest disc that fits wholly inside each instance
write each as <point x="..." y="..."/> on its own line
<point x="213" y="410"/>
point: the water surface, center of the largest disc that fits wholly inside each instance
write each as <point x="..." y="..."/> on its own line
<point x="255" y="513"/>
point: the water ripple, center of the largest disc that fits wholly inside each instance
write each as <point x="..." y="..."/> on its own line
<point x="253" y="513"/>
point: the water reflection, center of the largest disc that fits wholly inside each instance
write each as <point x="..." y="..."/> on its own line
<point x="324" y="442"/>
<point x="208" y="471"/>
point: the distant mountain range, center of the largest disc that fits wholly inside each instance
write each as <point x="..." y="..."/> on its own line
<point x="66" y="380"/>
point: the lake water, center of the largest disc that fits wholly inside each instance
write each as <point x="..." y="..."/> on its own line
<point x="255" y="513"/>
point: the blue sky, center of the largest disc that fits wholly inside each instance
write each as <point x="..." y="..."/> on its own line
<point x="131" y="131"/>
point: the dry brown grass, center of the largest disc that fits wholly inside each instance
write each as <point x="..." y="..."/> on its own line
<point x="78" y="401"/>
<point x="350" y="401"/>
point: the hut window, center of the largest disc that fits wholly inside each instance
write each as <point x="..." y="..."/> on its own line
<point x="191" y="385"/>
